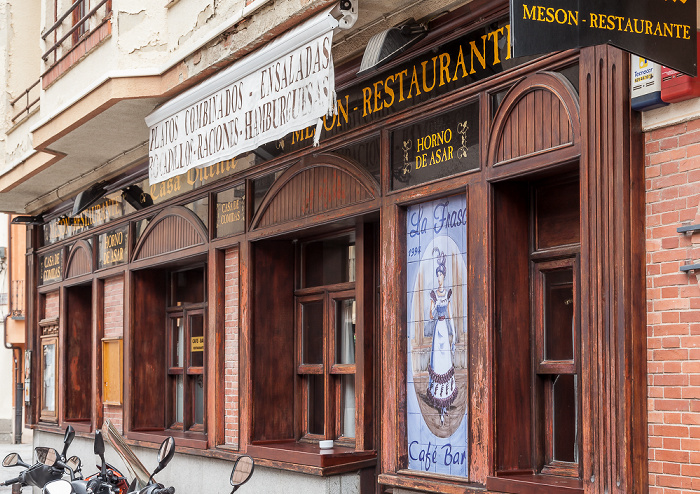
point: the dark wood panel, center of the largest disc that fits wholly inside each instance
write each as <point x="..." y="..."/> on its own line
<point x="539" y="114"/>
<point x="315" y="185"/>
<point x="147" y="343"/>
<point x="273" y="372"/>
<point x="557" y="214"/>
<point x="79" y="260"/>
<point x="173" y="229"/>
<point x="313" y="191"/>
<point x="512" y="358"/>
<point x="613" y="330"/>
<point x="535" y="132"/>
<point x="78" y="353"/>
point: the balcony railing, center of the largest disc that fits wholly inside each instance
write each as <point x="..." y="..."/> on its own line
<point x="29" y="103"/>
<point x="78" y="29"/>
<point x="17" y="300"/>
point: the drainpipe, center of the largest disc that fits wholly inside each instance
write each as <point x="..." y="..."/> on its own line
<point x="16" y="351"/>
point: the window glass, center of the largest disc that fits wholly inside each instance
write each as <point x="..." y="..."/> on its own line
<point x="345" y="331"/>
<point x="260" y="187"/>
<point x="571" y="73"/>
<point x="328" y="261"/>
<point x="366" y="153"/>
<point x="347" y="405"/>
<point x="316" y="404"/>
<point x="178" y="342"/>
<point x="198" y="400"/>
<point x="179" y="399"/>
<point x="564" y="392"/>
<point x="186" y="380"/>
<point x="197" y="340"/>
<point x="140" y="227"/>
<point x="187" y="287"/>
<point x="49" y="376"/>
<point x="312" y="332"/>
<point x="496" y="100"/>
<point x="200" y="207"/>
<point x="559" y="314"/>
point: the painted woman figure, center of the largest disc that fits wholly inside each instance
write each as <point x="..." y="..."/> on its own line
<point x="442" y="389"/>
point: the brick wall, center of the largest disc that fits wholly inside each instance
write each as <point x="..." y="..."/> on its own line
<point x="51" y="305"/>
<point x="114" y="326"/>
<point x="231" y="347"/>
<point x="672" y="166"/>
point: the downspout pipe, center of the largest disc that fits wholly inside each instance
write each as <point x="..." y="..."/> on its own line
<point x="16" y="351"/>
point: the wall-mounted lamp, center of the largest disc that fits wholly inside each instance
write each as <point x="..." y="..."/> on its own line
<point x="135" y="196"/>
<point x="28" y="220"/>
<point x="387" y="45"/>
<point x="87" y="198"/>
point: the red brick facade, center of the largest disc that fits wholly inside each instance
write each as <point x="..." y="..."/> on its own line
<point x="113" y="327"/>
<point x="52" y="305"/>
<point x="673" y="308"/>
<point x="231" y="311"/>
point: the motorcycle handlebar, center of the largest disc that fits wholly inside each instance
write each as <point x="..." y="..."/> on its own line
<point x="12" y="481"/>
<point x="165" y="490"/>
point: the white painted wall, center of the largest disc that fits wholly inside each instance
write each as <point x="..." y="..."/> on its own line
<point x="6" y="360"/>
<point x="196" y="474"/>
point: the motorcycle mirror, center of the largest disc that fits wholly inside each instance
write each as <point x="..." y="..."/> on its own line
<point x="242" y="470"/>
<point x="58" y="487"/>
<point x="165" y="454"/>
<point x="99" y="447"/>
<point x="11" y="460"/>
<point x="47" y="456"/>
<point x="67" y="440"/>
<point x="73" y="463"/>
<point x="100" y="450"/>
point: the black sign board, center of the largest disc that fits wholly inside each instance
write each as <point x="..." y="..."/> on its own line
<point x="112" y="248"/>
<point x="664" y="31"/>
<point x="436" y="148"/>
<point x="230" y="211"/>
<point x="51" y="267"/>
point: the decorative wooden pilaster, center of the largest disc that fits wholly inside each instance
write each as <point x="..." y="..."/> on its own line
<point x="613" y="324"/>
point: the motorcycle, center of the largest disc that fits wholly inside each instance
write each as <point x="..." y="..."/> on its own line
<point x="143" y="482"/>
<point x="38" y="475"/>
<point x="108" y="480"/>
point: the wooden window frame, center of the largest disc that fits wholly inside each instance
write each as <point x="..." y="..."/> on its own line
<point x="332" y="372"/>
<point x="49" y="338"/>
<point x="77" y="14"/>
<point x="184" y="312"/>
<point x="544" y="369"/>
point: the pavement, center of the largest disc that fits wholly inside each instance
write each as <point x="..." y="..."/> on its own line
<point x="25" y="450"/>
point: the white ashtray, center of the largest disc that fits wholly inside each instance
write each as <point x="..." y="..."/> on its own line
<point x="325" y="444"/>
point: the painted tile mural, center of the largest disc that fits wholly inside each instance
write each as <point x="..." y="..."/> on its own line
<point x="437" y="375"/>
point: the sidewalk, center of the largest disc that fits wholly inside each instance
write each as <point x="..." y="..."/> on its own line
<point x="27" y="454"/>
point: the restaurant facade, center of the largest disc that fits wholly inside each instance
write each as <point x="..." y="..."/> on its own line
<point x="445" y="276"/>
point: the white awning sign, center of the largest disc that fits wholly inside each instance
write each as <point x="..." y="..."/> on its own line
<point x="291" y="93"/>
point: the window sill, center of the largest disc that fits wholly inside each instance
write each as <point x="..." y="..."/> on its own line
<point x="188" y="440"/>
<point x="530" y="484"/>
<point x="332" y="461"/>
<point x="420" y="481"/>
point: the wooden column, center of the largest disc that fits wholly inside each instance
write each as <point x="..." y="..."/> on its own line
<point x="612" y="278"/>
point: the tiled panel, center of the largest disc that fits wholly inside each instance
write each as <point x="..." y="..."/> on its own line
<point x="436" y="228"/>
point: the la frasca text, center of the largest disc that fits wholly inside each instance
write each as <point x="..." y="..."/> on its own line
<point x="619" y="23"/>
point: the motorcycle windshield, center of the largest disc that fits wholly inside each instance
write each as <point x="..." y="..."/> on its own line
<point x="135" y="467"/>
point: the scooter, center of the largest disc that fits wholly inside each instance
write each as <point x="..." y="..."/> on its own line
<point x="104" y="482"/>
<point x="39" y="474"/>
